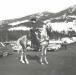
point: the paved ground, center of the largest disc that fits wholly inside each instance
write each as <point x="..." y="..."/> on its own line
<point x="62" y="62"/>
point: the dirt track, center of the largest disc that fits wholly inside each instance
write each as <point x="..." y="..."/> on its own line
<point x="62" y="62"/>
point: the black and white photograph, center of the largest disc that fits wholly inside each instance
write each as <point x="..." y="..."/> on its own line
<point x="37" y="37"/>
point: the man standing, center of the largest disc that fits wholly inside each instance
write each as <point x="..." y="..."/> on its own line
<point x="33" y="36"/>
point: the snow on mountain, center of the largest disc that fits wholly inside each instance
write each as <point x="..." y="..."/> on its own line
<point x="62" y="26"/>
<point x="18" y="22"/>
<point x="72" y="9"/>
<point x="64" y="20"/>
<point x="19" y="28"/>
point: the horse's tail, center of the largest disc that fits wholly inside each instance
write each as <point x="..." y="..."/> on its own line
<point x="22" y="42"/>
<point x="19" y="47"/>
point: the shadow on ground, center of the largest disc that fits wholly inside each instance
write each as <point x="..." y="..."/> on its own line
<point x="34" y="57"/>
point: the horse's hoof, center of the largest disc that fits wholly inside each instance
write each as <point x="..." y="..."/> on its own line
<point x="42" y="63"/>
<point x="27" y="62"/>
<point x="46" y="62"/>
<point x="22" y="62"/>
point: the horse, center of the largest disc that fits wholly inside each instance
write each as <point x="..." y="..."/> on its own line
<point x="43" y="40"/>
<point x="44" y="44"/>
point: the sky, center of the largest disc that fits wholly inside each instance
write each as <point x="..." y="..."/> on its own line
<point x="10" y="9"/>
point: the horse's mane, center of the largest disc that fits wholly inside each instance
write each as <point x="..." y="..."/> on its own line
<point x="48" y="31"/>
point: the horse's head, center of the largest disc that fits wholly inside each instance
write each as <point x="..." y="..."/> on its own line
<point x="45" y="31"/>
<point x="38" y="32"/>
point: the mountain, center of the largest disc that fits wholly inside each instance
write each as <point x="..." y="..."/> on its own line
<point x="17" y="25"/>
<point x="41" y="15"/>
<point x="68" y="14"/>
<point x="71" y="11"/>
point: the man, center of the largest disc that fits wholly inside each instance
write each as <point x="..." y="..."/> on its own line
<point x="33" y="36"/>
<point x="34" y="39"/>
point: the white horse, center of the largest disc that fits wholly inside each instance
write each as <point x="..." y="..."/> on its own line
<point x="22" y="43"/>
<point x="44" y="41"/>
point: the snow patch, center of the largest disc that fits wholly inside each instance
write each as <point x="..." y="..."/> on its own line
<point x="19" y="28"/>
<point x="67" y="40"/>
<point x="18" y="22"/>
<point x="59" y="27"/>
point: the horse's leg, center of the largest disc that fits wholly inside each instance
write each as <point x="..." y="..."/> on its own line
<point x="45" y="50"/>
<point x="21" y="58"/>
<point x="42" y="55"/>
<point x="27" y="62"/>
